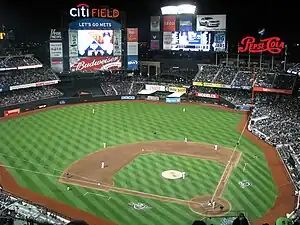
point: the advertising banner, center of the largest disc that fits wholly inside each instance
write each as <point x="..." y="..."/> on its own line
<point x="207" y="95"/>
<point x="56" y="50"/>
<point x="155" y="24"/>
<point x="132" y="62"/>
<point x="55" y="35"/>
<point x="154" y="44"/>
<point x="132" y="35"/>
<point x="73" y="43"/>
<point x="94" y="24"/>
<point x="12" y="111"/>
<point x="57" y="65"/>
<point x="186" y="23"/>
<point x="273" y="90"/>
<point x="177" y="89"/>
<point x="203" y="84"/>
<point x="127" y="97"/>
<point x="44" y="83"/>
<point x="152" y="98"/>
<point x="173" y="100"/>
<point x="167" y="40"/>
<point x="91" y="64"/>
<point x="169" y="23"/>
<point x="152" y="87"/>
<point x="132" y="48"/>
<point x="211" y="22"/>
<point x="117" y="43"/>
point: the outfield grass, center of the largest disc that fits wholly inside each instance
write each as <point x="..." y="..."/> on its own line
<point x="37" y="148"/>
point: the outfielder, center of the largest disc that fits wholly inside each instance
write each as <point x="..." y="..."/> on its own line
<point x="216" y="147"/>
<point x="102" y="165"/>
<point x="183" y="109"/>
<point x="93" y="111"/>
<point x="104" y="145"/>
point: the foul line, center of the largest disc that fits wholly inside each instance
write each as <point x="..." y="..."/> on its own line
<point x="225" y="176"/>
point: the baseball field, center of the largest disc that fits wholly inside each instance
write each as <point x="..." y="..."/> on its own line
<point x="151" y="175"/>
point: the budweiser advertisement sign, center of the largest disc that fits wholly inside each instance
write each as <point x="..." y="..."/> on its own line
<point x="91" y="64"/>
<point x="272" y="45"/>
<point x="12" y="112"/>
<point x="207" y="95"/>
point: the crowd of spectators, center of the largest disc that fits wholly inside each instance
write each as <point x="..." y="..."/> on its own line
<point x="28" y="95"/>
<point x="242" y="76"/>
<point x="14" y="209"/>
<point x="275" y="119"/>
<point x="26" y="76"/>
<point x="18" y="61"/>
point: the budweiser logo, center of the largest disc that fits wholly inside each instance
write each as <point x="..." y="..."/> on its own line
<point x="273" y="45"/>
<point x="85" y="64"/>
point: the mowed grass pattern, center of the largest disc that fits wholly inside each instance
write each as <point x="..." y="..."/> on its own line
<point x="37" y="148"/>
<point x="144" y="174"/>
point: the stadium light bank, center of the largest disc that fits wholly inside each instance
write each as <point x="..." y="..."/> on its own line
<point x="180" y="9"/>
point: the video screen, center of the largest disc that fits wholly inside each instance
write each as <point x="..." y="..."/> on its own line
<point x="95" y="43"/>
<point x="205" y="41"/>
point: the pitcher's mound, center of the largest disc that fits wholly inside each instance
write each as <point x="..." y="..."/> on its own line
<point x="171" y="174"/>
<point x="200" y="205"/>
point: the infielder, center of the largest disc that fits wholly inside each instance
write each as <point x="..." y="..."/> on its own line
<point x="183" y="175"/>
<point x="185" y="140"/>
<point x="104" y="145"/>
<point x="216" y="147"/>
<point x="102" y="165"/>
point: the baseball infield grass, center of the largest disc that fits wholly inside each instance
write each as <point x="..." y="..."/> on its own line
<point x="37" y="148"/>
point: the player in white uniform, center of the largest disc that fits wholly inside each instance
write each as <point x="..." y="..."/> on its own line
<point x="185" y="140"/>
<point x="213" y="204"/>
<point x="102" y="165"/>
<point x="183" y="110"/>
<point x="216" y="147"/>
<point x="183" y="175"/>
<point x="104" y="145"/>
<point x="93" y="111"/>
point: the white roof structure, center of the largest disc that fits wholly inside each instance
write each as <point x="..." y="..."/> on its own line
<point x="176" y="95"/>
<point x="146" y="92"/>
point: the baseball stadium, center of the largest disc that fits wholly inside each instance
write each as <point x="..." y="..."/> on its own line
<point x="103" y="136"/>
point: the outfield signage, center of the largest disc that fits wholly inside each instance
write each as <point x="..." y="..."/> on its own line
<point x="12" y="112"/>
<point x="153" y="98"/>
<point x="127" y="97"/>
<point x="38" y="84"/>
<point x="151" y="87"/>
<point x="273" y="90"/>
<point x="207" y="95"/>
<point x="177" y="89"/>
<point x="173" y="100"/>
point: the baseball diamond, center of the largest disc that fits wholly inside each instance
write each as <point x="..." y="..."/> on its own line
<point x="61" y="166"/>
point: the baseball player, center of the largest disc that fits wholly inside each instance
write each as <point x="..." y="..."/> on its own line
<point x="183" y="110"/>
<point x="102" y="165"/>
<point x="185" y="140"/>
<point x="216" y="147"/>
<point x="104" y="145"/>
<point x="213" y="204"/>
<point x="68" y="188"/>
<point x="209" y="203"/>
<point x="93" y="111"/>
<point x="183" y="175"/>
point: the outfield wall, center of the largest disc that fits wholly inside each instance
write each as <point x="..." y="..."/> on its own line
<point x="25" y="107"/>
